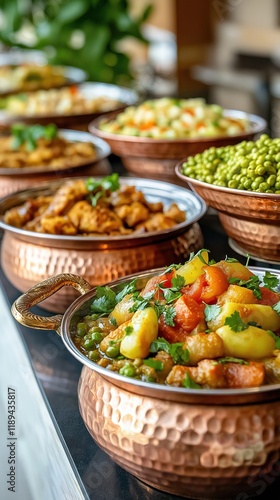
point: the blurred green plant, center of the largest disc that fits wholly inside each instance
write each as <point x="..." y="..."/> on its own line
<point x="81" y="33"/>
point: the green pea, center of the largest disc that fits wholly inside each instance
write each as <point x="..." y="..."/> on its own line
<point x="81" y="330"/>
<point x="113" y="351"/>
<point x="271" y="180"/>
<point x="94" y="355"/>
<point x="88" y="344"/>
<point x="128" y="370"/>
<point x="96" y="337"/>
<point x="263" y="186"/>
<point x="260" y="170"/>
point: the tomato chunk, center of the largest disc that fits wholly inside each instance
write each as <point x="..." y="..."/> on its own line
<point x="188" y="313"/>
<point x="207" y="287"/>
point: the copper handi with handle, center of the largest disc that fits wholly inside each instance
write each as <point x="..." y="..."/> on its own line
<point x="40" y="292"/>
<point x="209" y="444"/>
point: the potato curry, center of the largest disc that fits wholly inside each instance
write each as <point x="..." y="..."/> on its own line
<point x="199" y="325"/>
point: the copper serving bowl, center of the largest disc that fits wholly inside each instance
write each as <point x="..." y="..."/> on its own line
<point x="214" y="444"/>
<point x="15" y="179"/>
<point x="251" y="220"/>
<point x="28" y="257"/>
<point x="125" y="96"/>
<point x="158" y="157"/>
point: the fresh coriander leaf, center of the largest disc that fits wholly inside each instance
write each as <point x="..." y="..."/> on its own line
<point x="230" y="259"/>
<point x="105" y="300"/>
<point x="199" y="255"/>
<point x="172" y="267"/>
<point x="170" y="295"/>
<point x="189" y="383"/>
<point x="253" y="323"/>
<point x="276" y="307"/>
<point x="99" y="188"/>
<point x="176" y="351"/>
<point x="211" y="312"/>
<point x="113" y="321"/>
<point x="178" y="282"/>
<point x="128" y="330"/>
<point x="275" y="337"/>
<point x="211" y="262"/>
<point x="179" y="355"/>
<point x="270" y="281"/>
<point x="140" y="302"/>
<point x="252" y="284"/>
<point x="235" y="322"/>
<point x="229" y="359"/>
<point x="154" y="363"/>
<point x="130" y="288"/>
<point x="169" y="314"/>
<point x="160" y="344"/>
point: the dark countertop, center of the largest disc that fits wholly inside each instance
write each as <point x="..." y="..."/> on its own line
<point x="58" y="373"/>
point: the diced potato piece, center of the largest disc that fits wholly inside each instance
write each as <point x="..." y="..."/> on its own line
<point x="193" y="269"/>
<point x="235" y="269"/>
<point x="144" y="325"/>
<point x="115" y="335"/>
<point x="203" y="345"/>
<point x="121" y="311"/>
<point x="252" y="343"/>
<point x="263" y="316"/>
<point x="238" y="294"/>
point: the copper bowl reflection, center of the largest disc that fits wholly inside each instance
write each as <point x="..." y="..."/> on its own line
<point x="157" y="157"/>
<point x="210" y="444"/>
<point x="16" y="179"/>
<point x="252" y="220"/>
<point x="28" y="257"/>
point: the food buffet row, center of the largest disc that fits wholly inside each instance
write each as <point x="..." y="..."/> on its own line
<point x="160" y="321"/>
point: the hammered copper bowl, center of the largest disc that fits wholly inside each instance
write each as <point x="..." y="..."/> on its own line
<point x="251" y="220"/>
<point x="28" y="257"/>
<point x="210" y="444"/>
<point x="90" y="90"/>
<point x="157" y="157"/>
<point x="16" y="179"/>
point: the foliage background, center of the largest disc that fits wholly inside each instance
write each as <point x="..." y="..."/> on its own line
<point x="81" y="33"/>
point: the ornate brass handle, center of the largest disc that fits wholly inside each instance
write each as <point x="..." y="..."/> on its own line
<point x="40" y="292"/>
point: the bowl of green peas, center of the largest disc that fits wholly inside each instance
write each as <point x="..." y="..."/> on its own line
<point x="242" y="182"/>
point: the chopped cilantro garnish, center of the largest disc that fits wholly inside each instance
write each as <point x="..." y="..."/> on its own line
<point x="128" y="330"/>
<point x="99" y="188"/>
<point x="176" y="351"/>
<point x="211" y="312"/>
<point x="276" y="307"/>
<point x="235" y="322"/>
<point x="189" y="383"/>
<point x="141" y="302"/>
<point x="154" y="363"/>
<point x="172" y="267"/>
<point x="113" y="321"/>
<point x="169" y="314"/>
<point x="229" y="359"/>
<point x="105" y="300"/>
<point x="178" y="282"/>
<point x="252" y="284"/>
<point x="170" y="295"/>
<point x="230" y="259"/>
<point x="275" y="337"/>
<point x="130" y="288"/>
<point x="29" y="135"/>
<point x="270" y="281"/>
<point x="199" y="255"/>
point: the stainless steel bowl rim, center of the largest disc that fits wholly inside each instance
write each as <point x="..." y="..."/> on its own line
<point x="172" y="192"/>
<point x="258" y="124"/>
<point x="242" y="192"/>
<point x="208" y="396"/>
<point x="102" y="148"/>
